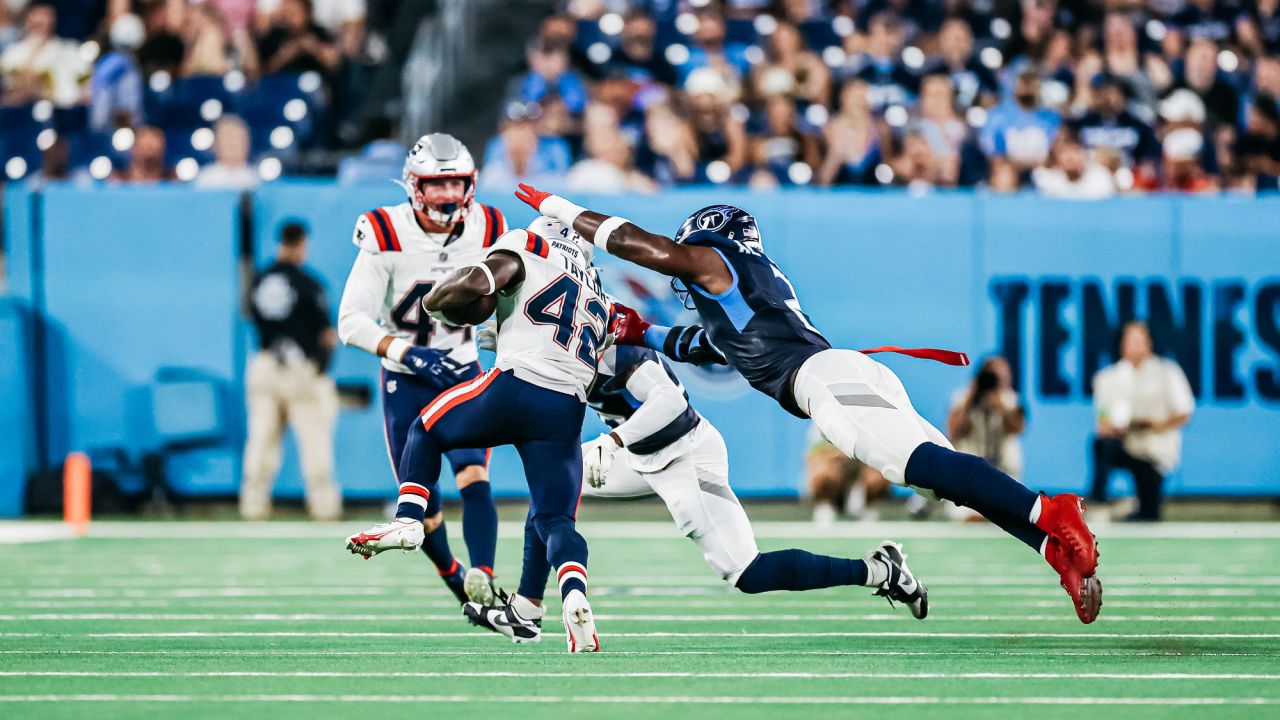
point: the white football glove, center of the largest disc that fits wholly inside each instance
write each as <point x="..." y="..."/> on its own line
<point x="597" y="459"/>
<point x="487" y="338"/>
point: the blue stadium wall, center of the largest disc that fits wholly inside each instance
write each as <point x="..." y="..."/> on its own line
<point x="122" y="326"/>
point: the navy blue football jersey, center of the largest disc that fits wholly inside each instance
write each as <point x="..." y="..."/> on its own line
<point x="608" y="396"/>
<point x="757" y="323"/>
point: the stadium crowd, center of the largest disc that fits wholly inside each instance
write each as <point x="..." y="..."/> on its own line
<point x="1075" y="98"/>
<point x="145" y="90"/>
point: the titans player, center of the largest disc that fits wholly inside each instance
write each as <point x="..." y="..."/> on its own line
<point x="749" y="311"/>
<point x="551" y="316"/>
<point x="405" y="250"/>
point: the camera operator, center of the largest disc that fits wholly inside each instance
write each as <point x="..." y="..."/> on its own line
<point x="987" y="417"/>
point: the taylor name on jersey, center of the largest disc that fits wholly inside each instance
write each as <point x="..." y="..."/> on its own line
<point x="398" y="265"/>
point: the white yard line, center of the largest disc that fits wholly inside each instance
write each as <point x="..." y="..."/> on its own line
<point x="508" y="652"/>
<point x="739" y="635"/>
<point x="668" y="675"/>
<point x="33" y="531"/>
<point x="643" y="699"/>
<point x="647" y="618"/>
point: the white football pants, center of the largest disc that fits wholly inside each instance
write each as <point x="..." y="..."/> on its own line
<point x="307" y="400"/>
<point x="862" y="409"/>
<point x="692" y="478"/>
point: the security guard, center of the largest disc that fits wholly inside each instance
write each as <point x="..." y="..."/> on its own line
<point x="287" y="382"/>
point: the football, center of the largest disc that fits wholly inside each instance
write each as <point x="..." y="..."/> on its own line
<point x="473" y="313"/>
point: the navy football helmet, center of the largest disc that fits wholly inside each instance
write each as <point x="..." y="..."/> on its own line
<point x="728" y="221"/>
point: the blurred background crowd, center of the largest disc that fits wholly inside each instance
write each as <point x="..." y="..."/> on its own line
<point x="1074" y="98"/>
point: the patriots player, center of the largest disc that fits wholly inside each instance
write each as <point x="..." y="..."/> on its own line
<point x="551" y="318"/>
<point x="405" y="250"/>
<point x="749" y="311"/>
<point x="658" y="444"/>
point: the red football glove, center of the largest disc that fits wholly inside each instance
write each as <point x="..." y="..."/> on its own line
<point x="630" y="326"/>
<point x="531" y="196"/>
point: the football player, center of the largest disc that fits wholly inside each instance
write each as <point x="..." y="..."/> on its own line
<point x="749" y="311"/>
<point x="551" y="319"/>
<point x="405" y="250"/>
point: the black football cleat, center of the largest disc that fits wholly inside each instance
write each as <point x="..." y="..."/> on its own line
<point x="901" y="586"/>
<point x="505" y="620"/>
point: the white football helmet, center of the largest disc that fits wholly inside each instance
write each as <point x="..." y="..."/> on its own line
<point x="436" y="156"/>
<point x="552" y="229"/>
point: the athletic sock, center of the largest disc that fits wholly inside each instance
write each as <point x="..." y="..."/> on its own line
<point x="800" y="570"/>
<point x="436" y="547"/>
<point x="968" y="480"/>
<point x="480" y="525"/>
<point x="571" y="576"/>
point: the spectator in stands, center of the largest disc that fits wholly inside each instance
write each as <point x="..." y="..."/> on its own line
<point x="42" y="66"/>
<point x="607" y="167"/>
<point x="890" y="81"/>
<point x="1181" y="169"/>
<point x="286" y="381"/>
<point x="790" y="70"/>
<point x="1142" y="403"/>
<point x="10" y="29"/>
<point x="710" y="51"/>
<point x="550" y="79"/>
<point x="721" y="136"/>
<point x="974" y="82"/>
<point x="212" y="47"/>
<point x="917" y="165"/>
<point x="669" y="153"/>
<point x="1070" y="173"/>
<point x="296" y="44"/>
<point x="1021" y="132"/>
<point x="1003" y="176"/>
<point x="945" y="131"/>
<point x="115" y="90"/>
<point x="852" y="139"/>
<point x="1259" y="146"/>
<point x="987" y="418"/>
<point x="636" y="57"/>
<point x="164" y="49"/>
<point x="782" y="144"/>
<point x="1205" y="19"/>
<point x="343" y="20"/>
<point x="1199" y="74"/>
<point x="1109" y="124"/>
<point x="1258" y="28"/>
<point x="146" y="162"/>
<point x="1142" y="74"/>
<point x="1266" y="77"/>
<point x="230" y="168"/>
<point x="381" y="158"/>
<point x="518" y="154"/>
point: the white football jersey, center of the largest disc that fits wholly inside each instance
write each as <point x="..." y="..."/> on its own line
<point x="397" y="266"/>
<point x="551" y="326"/>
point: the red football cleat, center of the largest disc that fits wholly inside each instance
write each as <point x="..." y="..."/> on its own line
<point x="1062" y="517"/>
<point x="1085" y="591"/>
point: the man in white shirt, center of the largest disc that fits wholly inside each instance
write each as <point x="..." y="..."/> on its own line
<point x="1142" y="402"/>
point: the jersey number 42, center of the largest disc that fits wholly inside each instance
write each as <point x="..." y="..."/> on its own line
<point x="557" y="305"/>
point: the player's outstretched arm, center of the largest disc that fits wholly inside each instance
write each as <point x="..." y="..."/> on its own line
<point x="499" y="271"/>
<point x="683" y="343"/>
<point x="624" y="239"/>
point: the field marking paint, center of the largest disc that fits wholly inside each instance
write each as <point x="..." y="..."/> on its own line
<point x="21" y="531"/>
<point x="608" y="617"/>
<point x="667" y="675"/>
<point x="743" y="635"/>
<point x="508" y="653"/>
<point x="643" y="699"/>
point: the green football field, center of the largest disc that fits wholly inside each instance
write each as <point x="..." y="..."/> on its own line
<point x="225" y="620"/>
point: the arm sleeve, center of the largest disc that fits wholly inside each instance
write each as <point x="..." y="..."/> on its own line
<point x="362" y="301"/>
<point x="684" y="343"/>
<point x="661" y="401"/>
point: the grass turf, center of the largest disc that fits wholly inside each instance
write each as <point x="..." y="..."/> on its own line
<point x="214" y="620"/>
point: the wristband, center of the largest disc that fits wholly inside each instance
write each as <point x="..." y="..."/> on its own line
<point x="606" y="229"/>
<point x="561" y="209"/>
<point x="397" y="349"/>
<point x="488" y="274"/>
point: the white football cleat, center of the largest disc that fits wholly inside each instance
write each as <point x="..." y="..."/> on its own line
<point x="478" y="585"/>
<point x="399" y="534"/>
<point x="580" y="623"/>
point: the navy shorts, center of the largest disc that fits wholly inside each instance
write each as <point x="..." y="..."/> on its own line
<point x="403" y="398"/>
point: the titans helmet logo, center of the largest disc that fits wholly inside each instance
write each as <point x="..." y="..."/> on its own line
<point x="714" y="218"/>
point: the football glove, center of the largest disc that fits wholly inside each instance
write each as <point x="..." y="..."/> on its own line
<point x="487" y="338"/>
<point x="630" y="327"/>
<point x="434" y="366"/>
<point x="597" y="459"/>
